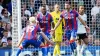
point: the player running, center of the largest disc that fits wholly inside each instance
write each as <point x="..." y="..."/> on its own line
<point x="29" y="36"/>
<point x="45" y="20"/>
<point x="58" y="32"/>
<point x="70" y="16"/>
<point x="81" y="33"/>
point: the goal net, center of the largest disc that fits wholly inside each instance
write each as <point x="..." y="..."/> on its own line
<point x="23" y="9"/>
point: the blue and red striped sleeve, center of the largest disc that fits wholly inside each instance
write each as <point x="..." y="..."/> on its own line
<point x="38" y="16"/>
<point x="39" y="29"/>
<point x="61" y="16"/>
<point x="76" y="13"/>
<point x="51" y="18"/>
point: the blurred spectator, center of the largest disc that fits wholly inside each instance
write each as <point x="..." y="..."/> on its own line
<point x="24" y="10"/>
<point x="95" y="12"/>
<point x="4" y="44"/>
<point x="37" y="4"/>
<point x="9" y="29"/>
<point x="31" y="7"/>
<point x="24" y="20"/>
<point x="9" y="42"/>
<point x="5" y="36"/>
<point x="1" y="30"/>
<point x="97" y="42"/>
<point x="24" y="14"/>
<point x="91" y="39"/>
<point x="5" y="16"/>
<point x="93" y="2"/>
<point x="50" y="6"/>
<point x="4" y="25"/>
<point x="1" y="7"/>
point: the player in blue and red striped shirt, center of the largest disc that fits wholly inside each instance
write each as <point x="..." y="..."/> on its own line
<point x="29" y="36"/>
<point x="70" y="17"/>
<point x="45" y="20"/>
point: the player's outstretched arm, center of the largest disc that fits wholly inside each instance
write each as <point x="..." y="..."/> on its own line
<point x="58" y="23"/>
<point x="20" y="41"/>
<point x="45" y="37"/>
<point x="84" y="23"/>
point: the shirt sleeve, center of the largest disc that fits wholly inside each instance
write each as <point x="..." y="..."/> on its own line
<point x="37" y="17"/>
<point x="24" y="30"/>
<point x="38" y="30"/>
<point x="85" y="18"/>
<point x="51" y="18"/>
<point x="76" y="14"/>
<point x="61" y="16"/>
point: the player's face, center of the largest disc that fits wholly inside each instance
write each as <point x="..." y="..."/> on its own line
<point x="57" y="7"/>
<point x="81" y="9"/>
<point x="67" y="6"/>
<point x="43" y="10"/>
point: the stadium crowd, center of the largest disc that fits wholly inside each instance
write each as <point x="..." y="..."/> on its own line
<point x="32" y="7"/>
<point x="5" y="23"/>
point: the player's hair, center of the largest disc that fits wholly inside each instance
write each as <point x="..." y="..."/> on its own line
<point x="68" y="2"/>
<point x="80" y="5"/>
<point x="44" y="6"/>
<point x="56" y="4"/>
<point x="32" y="19"/>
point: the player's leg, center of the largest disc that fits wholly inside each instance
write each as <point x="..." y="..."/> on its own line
<point x="78" y="47"/>
<point x="39" y="43"/>
<point x="85" y="40"/>
<point x="54" y="51"/>
<point x="24" y="45"/>
<point x="78" y="44"/>
<point x="72" y="42"/>
<point x="58" y="39"/>
<point x="70" y="36"/>
<point x="73" y="39"/>
<point x="57" y="49"/>
<point x="19" y="50"/>
<point x="45" y="48"/>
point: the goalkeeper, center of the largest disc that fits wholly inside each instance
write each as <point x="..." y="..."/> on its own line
<point x="58" y="32"/>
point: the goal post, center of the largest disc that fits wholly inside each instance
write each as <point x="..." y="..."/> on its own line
<point x="16" y="23"/>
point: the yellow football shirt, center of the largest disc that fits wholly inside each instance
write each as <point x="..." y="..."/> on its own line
<point x="58" y="31"/>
